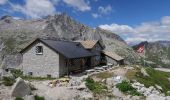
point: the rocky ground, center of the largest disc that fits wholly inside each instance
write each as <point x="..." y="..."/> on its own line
<point x="163" y="69"/>
<point x="77" y="90"/>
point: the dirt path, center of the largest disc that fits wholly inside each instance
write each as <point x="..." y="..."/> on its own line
<point x="55" y="93"/>
<point x="120" y="71"/>
<point x="5" y="93"/>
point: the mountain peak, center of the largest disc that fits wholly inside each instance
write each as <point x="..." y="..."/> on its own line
<point x="6" y="17"/>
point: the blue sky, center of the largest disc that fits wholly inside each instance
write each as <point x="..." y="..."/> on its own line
<point x="134" y="20"/>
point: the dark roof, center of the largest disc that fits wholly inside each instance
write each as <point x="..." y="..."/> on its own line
<point x="68" y="49"/>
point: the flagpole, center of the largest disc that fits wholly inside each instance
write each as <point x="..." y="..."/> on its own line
<point x="144" y="55"/>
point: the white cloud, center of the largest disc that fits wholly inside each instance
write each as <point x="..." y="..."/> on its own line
<point x="166" y="20"/>
<point x="80" y="5"/>
<point x="105" y="10"/>
<point x="117" y="28"/>
<point x="95" y="15"/>
<point x="148" y="31"/>
<point x="2" y="2"/>
<point x="35" y="8"/>
<point x="102" y="11"/>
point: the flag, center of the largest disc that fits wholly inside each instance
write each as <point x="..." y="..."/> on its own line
<point x="141" y="49"/>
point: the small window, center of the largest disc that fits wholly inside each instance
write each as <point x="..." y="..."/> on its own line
<point x="48" y="76"/>
<point x="6" y="70"/>
<point x="30" y="73"/>
<point x="39" y="50"/>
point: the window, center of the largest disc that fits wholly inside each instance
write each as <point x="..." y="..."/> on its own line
<point x="48" y="76"/>
<point x="39" y="50"/>
<point x="30" y="73"/>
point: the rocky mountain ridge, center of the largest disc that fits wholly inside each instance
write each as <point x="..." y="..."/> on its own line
<point x="157" y="52"/>
<point x="16" y="33"/>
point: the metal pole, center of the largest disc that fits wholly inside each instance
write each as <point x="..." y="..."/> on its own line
<point x="144" y="55"/>
<point x="67" y="67"/>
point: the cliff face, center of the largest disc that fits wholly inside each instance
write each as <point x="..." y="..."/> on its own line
<point x="16" y="33"/>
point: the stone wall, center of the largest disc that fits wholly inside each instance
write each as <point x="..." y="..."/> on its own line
<point x="112" y="61"/>
<point x="41" y="64"/>
<point x="97" y="59"/>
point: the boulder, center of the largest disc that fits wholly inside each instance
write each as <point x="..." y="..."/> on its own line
<point x="29" y="97"/>
<point x="158" y="87"/>
<point x="168" y="98"/>
<point x="87" y="96"/>
<point x="142" y="90"/>
<point x="155" y="97"/>
<point x="143" y="71"/>
<point x="118" y="79"/>
<point x="20" y="88"/>
<point x="82" y="86"/>
<point x="110" y="82"/>
<point x="135" y="98"/>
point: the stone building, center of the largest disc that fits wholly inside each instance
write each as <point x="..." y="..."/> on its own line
<point x="113" y="58"/>
<point x="52" y="58"/>
<point x="95" y="47"/>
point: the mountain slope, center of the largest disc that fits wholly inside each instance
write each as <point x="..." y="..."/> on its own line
<point x="157" y="52"/>
<point x="16" y="33"/>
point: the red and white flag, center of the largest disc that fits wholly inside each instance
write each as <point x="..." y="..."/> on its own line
<point x="141" y="49"/>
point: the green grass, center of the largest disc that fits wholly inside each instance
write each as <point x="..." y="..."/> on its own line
<point x="155" y="77"/>
<point x="95" y="87"/>
<point x="126" y="87"/>
<point x="7" y="81"/>
<point x="36" y="97"/>
<point x="18" y="73"/>
<point x="19" y="98"/>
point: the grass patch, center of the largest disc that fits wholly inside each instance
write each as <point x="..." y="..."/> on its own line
<point x="126" y="87"/>
<point x="103" y="75"/>
<point x="17" y="73"/>
<point x="36" y="97"/>
<point x="95" y="87"/>
<point x="155" y="77"/>
<point x="7" y="81"/>
<point x="19" y="98"/>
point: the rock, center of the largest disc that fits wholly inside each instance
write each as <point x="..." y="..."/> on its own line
<point x="158" y="87"/>
<point x="155" y="92"/>
<point x="103" y="80"/>
<point x="20" y="88"/>
<point x="135" y="98"/>
<point x="81" y="87"/>
<point x="168" y="98"/>
<point x="116" y="92"/>
<point x="118" y="79"/>
<point x="142" y="90"/>
<point x="29" y="97"/>
<point x="151" y="88"/>
<point x="155" y="97"/>
<point x="110" y="82"/>
<point x="143" y="71"/>
<point x="87" y="97"/>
